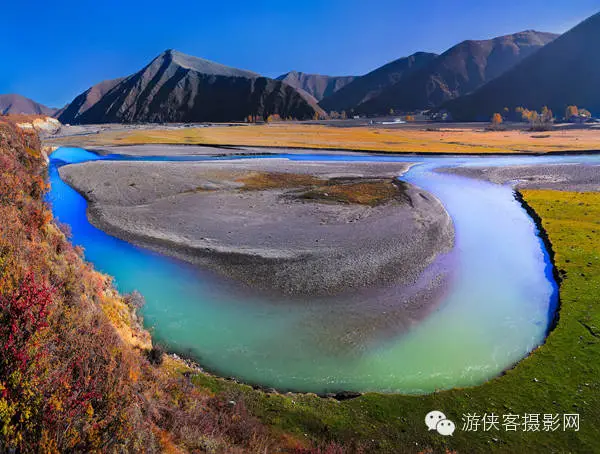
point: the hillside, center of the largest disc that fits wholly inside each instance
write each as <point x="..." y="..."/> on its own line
<point x="13" y="104"/>
<point x="315" y="85"/>
<point x="366" y="87"/>
<point x="565" y="72"/>
<point x="86" y="100"/>
<point x="176" y="87"/>
<point x="458" y="71"/>
<point x="78" y="373"/>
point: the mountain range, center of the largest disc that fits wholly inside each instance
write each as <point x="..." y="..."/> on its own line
<point x="457" y="72"/>
<point x="316" y="86"/>
<point x="13" y="104"/>
<point x="471" y="80"/>
<point x="565" y="72"/>
<point x="364" y="88"/>
<point x="176" y="87"/>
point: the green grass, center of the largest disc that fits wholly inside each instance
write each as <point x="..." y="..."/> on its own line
<point x="562" y="376"/>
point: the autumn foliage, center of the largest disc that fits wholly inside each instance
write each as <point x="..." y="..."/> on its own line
<point x="74" y="368"/>
<point x="496" y="119"/>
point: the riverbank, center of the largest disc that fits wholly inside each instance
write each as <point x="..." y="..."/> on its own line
<point x="560" y="377"/>
<point x="301" y="229"/>
<point x="78" y="372"/>
<point x="395" y="420"/>
<point x="563" y="177"/>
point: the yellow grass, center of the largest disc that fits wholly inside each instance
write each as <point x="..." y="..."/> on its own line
<point x="468" y="140"/>
<point x="371" y="193"/>
<point x="276" y="180"/>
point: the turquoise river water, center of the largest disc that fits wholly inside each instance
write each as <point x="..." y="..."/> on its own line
<point x="501" y="300"/>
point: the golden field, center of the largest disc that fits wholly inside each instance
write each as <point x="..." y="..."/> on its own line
<point x="459" y="140"/>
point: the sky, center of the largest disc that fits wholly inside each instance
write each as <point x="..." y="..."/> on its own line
<point x="54" y="50"/>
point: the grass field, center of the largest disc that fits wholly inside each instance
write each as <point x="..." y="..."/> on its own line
<point x="468" y="140"/>
<point x="560" y="377"/>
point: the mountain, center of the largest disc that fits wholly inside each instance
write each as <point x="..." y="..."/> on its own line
<point x="565" y="72"/>
<point x="370" y="85"/>
<point x="86" y="100"/>
<point x="176" y="87"/>
<point x="458" y="71"/>
<point x="315" y="85"/>
<point x="17" y="104"/>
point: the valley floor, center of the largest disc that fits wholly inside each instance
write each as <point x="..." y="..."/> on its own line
<point x="407" y="138"/>
<point x="558" y="378"/>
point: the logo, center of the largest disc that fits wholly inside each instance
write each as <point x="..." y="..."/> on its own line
<point x="436" y="420"/>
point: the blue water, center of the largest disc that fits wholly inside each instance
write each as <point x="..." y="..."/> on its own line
<point x="501" y="299"/>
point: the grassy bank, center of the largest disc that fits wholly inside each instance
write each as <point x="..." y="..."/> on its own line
<point x="562" y="376"/>
<point x="466" y="140"/>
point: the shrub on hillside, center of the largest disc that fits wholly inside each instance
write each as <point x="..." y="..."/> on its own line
<point x="71" y="378"/>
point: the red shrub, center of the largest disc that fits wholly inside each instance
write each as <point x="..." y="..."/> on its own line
<point x="23" y="314"/>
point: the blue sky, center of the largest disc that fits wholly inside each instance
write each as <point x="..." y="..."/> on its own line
<point x="52" y="51"/>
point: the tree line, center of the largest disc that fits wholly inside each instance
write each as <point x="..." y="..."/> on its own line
<point x="542" y="120"/>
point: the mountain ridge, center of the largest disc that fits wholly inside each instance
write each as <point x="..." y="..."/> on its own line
<point x="371" y="84"/>
<point x="562" y="73"/>
<point x="175" y="87"/>
<point x="14" y="104"/>
<point x="458" y="71"/>
<point x="87" y="99"/>
<point x="318" y="86"/>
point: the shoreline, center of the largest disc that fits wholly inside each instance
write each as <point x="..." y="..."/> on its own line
<point x="351" y="151"/>
<point x="276" y="240"/>
<point x="545" y="239"/>
<point x="341" y="395"/>
<point x="557" y="176"/>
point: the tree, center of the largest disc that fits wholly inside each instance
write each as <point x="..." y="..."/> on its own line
<point x="585" y="113"/>
<point x="572" y="111"/>
<point x="496" y="120"/>
<point x="534" y="117"/>
<point x="547" y="116"/>
<point x="525" y="113"/>
<point x="391" y="111"/>
<point x="409" y="118"/>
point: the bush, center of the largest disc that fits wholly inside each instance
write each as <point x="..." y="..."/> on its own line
<point x="155" y="355"/>
<point x="72" y="377"/>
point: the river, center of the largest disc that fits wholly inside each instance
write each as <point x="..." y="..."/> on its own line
<point x="500" y="303"/>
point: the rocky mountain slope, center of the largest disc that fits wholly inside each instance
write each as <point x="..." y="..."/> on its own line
<point x="315" y="85"/>
<point x="176" y="87"/>
<point x="457" y="72"/>
<point x="565" y="72"/>
<point x="86" y="100"/>
<point x="366" y="87"/>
